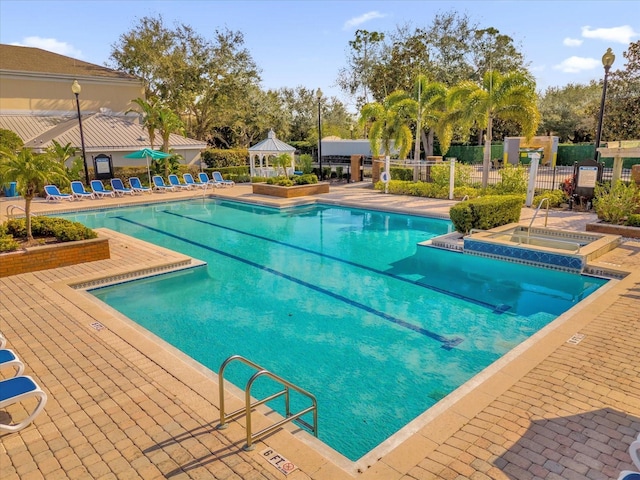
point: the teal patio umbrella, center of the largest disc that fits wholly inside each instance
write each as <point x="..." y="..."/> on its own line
<point x="148" y="153"/>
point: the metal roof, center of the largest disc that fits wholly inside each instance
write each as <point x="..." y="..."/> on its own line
<point x="36" y="60"/>
<point x="101" y="132"/>
<point x="271" y="144"/>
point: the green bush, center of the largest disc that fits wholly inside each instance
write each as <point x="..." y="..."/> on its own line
<point x="7" y="242"/>
<point x="460" y="192"/>
<point x="281" y="181"/>
<point x="258" y="179"/>
<point x="307" y="179"/>
<point x="60" y="228"/>
<point x="514" y="180"/>
<point x="556" y="198"/>
<point x="440" y="175"/>
<point x="633" y="220"/>
<point x="614" y="204"/>
<point x="485" y="213"/>
<point x="305" y="163"/>
<point x="217" y="158"/>
<point x="401" y="173"/>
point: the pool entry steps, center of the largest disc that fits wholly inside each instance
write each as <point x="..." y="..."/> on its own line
<point x="246" y="410"/>
<point x="541" y="247"/>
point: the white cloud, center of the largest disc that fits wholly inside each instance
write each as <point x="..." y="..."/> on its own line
<point x="356" y="21"/>
<point x="572" y="42"/>
<point x="51" y="45"/>
<point x="622" y="34"/>
<point x="577" y="64"/>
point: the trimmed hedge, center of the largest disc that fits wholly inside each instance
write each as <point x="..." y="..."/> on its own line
<point x="485" y="213"/>
<point x="60" y="228"/>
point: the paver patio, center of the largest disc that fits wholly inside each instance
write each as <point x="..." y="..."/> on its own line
<point x="123" y="404"/>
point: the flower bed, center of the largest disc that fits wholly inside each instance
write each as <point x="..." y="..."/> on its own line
<point x="622" y="230"/>
<point x="33" y="259"/>
<point x="290" y="192"/>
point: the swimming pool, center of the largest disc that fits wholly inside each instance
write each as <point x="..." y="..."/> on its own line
<point x="341" y="302"/>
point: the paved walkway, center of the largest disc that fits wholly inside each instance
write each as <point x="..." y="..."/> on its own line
<point x="123" y="404"/>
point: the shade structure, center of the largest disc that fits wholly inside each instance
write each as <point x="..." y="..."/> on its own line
<point x="148" y="153"/>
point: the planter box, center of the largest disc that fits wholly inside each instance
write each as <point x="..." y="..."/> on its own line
<point x="33" y="259"/>
<point x="622" y="230"/>
<point x="290" y="192"/>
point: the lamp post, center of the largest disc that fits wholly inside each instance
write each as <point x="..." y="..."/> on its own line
<point x="607" y="61"/>
<point x="319" y="98"/>
<point x="76" y="89"/>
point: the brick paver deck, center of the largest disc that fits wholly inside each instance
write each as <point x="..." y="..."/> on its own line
<point x="123" y="404"/>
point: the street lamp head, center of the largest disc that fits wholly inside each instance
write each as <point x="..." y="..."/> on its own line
<point x="607" y="59"/>
<point x="76" y="88"/>
<point x="319" y="95"/>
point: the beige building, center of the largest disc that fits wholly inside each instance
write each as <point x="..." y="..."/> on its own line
<point x="37" y="103"/>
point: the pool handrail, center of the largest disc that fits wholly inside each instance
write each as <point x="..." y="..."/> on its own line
<point x="537" y="210"/>
<point x="289" y="417"/>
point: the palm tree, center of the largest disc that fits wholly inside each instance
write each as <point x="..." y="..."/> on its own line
<point x="511" y="96"/>
<point x="31" y="172"/>
<point x="389" y="121"/>
<point x="62" y="153"/>
<point x="149" y="111"/>
<point x="429" y="109"/>
<point x="168" y="122"/>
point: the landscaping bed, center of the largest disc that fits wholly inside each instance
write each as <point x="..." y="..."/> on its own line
<point x="290" y="192"/>
<point x="622" y="230"/>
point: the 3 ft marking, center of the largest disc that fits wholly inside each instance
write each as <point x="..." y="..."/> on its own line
<point x="278" y="461"/>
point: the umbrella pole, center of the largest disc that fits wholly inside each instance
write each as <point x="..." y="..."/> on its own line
<point x="148" y="170"/>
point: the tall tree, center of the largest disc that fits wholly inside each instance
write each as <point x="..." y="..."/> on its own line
<point x="430" y="106"/>
<point x="204" y="81"/>
<point x="510" y="97"/>
<point x="566" y="112"/>
<point x="31" y="172"/>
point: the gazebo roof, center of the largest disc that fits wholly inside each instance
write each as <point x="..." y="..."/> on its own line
<point x="272" y="144"/>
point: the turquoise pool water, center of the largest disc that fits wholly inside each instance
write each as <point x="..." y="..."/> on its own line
<point x="341" y="302"/>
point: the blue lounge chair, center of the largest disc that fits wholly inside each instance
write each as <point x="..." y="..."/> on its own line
<point x="629" y="475"/>
<point x="118" y="187"/>
<point x="217" y="178"/>
<point x="98" y="188"/>
<point x="188" y="179"/>
<point x="205" y="179"/>
<point x="9" y="359"/>
<point x="174" y="181"/>
<point x="137" y="187"/>
<point x="78" y="190"/>
<point x="53" y="194"/>
<point x="16" y="389"/>
<point x="158" y="184"/>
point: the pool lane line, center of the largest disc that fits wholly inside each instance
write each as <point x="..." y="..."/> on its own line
<point x="447" y="343"/>
<point x="499" y="309"/>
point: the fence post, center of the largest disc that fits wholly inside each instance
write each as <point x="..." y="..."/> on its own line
<point x="452" y="179"/>
<point x="533" y="173"/>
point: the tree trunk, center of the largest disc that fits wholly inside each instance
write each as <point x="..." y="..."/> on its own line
<point x="486" y="161"/>
<point x="427" y="140"/>
<point x="27" y="220"/>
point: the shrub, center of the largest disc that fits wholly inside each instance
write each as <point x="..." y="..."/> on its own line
<point x="307" y="179"/>
<point x="7" y="242"/>
<point x="218" y="158"/>
<point x="258" y="179"/>
<point x="514" y="180"/>
<point x="440" y="175"/>
<point x="615" y="203"/>
<point x="281" y="181"/>
<point x="460" y="192"/>
<point x="486" y="212"/>
<point x="340" y="172"/>
<point x="633" y="220"/>
<point x="305" y="163"/>
<point x="60" y="228"/>
<point x="556" y="198"/>
<point x="401" y="173"/>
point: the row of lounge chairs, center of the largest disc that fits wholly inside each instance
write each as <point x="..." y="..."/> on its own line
<point x="17" y="389"/>
<point x="98" y="190"/>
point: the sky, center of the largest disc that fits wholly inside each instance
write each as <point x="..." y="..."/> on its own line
<point x="305" y="42"/>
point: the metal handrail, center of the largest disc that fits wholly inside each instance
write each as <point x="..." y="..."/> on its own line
<point x="11" y="208"/>
<point x="536" y="213"/>
<point x="289" y="417"/>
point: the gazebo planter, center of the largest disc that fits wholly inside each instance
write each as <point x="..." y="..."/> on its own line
<point x="290" y="192"/>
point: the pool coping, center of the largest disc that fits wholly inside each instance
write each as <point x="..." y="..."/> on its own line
<point x="483" y="384"/>
<point x="413" y="453"/>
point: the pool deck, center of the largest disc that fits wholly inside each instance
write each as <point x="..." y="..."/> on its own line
<point x="124" y="404"/>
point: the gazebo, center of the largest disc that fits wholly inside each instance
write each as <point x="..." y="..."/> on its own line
<point x="261" y="152"/>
